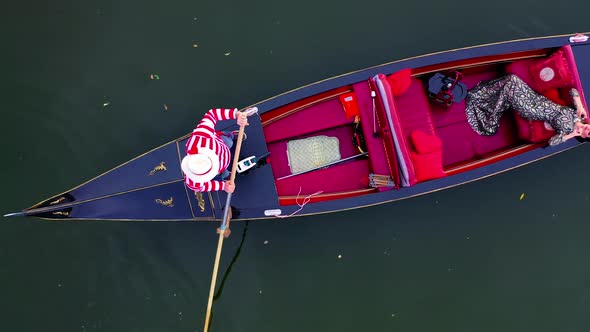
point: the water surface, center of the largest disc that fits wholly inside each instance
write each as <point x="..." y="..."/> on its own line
<point x="472" y="258"/>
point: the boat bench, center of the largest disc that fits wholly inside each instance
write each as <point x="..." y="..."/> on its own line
<point x="381" y="157"/>
<point x="460" y="143"/>
<point x="407" y="115"/>
<point x="396" y="119"/>
<point x="389" y="151"/>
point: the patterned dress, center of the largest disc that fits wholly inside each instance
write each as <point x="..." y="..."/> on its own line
<point x="486" y="102"/>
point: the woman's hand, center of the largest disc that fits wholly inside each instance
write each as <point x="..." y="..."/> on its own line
<point x="581" y="112"/>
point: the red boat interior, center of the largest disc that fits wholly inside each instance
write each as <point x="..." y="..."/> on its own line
<point x="409" y="137"/>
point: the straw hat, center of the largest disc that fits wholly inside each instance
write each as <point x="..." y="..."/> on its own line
<point x="200" y="167"/>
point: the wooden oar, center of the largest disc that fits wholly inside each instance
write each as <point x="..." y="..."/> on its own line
<point x="224" y="226"/>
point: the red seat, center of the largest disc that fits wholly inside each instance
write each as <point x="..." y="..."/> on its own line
<point x="460" y="142"/>
<point x="413" y="108"/>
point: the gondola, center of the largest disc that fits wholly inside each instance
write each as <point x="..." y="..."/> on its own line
<point x="369" y="137"/>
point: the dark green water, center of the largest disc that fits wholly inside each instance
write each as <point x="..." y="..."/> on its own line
<point x="473" y="258"/>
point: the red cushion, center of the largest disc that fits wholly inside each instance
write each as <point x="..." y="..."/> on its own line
<point x="400" y="81"/>
<point x="425" y="143"/>
<point x="521" y="68"/>
<point x="553" y="95"/>
<point x="539" y="133"/>
<point x="551" y="72"/>
<point x="428" y="166"/>
<point x="532" y="131"/>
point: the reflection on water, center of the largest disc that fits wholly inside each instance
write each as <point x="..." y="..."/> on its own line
<point x="232" y="262"/>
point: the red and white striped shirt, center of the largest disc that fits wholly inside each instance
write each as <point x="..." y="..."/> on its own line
<point x="204" y="135"/>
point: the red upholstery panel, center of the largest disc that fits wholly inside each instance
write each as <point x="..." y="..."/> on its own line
<point x="342" y="177"/>
<point x="413" y="109"/>
<point x="504" y="137"/>
<point x="428" y="166"/>
<point x="532" y="131"/>
<point x="457" y="146"/>
<point x="461" y="143"/>
<point x="424" y="143"/>
<point x="324" y="115"/>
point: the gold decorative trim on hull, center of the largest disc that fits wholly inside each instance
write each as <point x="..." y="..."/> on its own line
<point x="57" y="200"/>
<point x="201" y="200"/>
<point x="160" y="168"/>
<point x="63" y="213"/>
<point x="169" y="202"/>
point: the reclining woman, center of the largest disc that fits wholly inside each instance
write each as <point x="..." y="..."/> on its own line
<point x="486" y="102"/>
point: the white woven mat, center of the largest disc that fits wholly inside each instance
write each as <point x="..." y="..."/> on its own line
<point x="312" y="152"/>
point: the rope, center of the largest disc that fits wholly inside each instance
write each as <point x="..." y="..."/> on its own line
<point x="305" y="201"/>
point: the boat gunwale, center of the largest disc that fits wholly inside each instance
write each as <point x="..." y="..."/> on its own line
<point x="380" y="202"/>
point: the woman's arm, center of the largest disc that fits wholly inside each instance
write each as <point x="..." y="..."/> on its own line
<point x="212" y="185"/>
<point x="206" y="126"/>
<point x="580" y="110"/>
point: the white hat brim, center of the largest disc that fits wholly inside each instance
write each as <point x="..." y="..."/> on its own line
<point x="202" y="178"/>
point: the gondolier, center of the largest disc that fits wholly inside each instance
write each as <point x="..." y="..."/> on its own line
<point x="208" y="152"/>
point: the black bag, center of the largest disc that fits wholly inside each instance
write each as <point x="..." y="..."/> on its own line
<point x="447" y="89"/>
